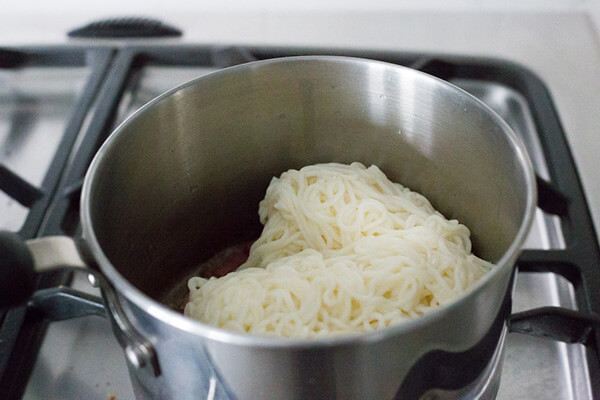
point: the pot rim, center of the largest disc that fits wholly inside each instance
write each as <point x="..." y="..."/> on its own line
<point x="179" y="321"/>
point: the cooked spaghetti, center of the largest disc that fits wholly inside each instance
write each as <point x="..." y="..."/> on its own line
<point x="343" y="250"/>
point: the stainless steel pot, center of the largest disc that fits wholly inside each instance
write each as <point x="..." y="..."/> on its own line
<point x="182" y="178"/>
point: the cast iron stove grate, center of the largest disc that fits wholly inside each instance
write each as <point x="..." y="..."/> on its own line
<point x="21" y="330"/>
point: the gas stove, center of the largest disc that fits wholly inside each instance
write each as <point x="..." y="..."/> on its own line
<point x="58" y="104"/>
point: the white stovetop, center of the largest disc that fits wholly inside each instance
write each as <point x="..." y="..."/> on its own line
<point x="557" y="39"/>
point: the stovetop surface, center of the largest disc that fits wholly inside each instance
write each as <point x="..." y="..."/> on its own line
<point x="80" y="358"/>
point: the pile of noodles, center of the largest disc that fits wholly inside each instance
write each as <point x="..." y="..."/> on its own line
<point x="343" y="250"/>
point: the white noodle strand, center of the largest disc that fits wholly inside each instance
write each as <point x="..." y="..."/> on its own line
<point x="343" y="250"/>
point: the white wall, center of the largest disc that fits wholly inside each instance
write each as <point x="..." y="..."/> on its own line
<point x="28" y="21"/>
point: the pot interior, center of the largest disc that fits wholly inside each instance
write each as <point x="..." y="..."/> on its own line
<point x="182" y="179"/>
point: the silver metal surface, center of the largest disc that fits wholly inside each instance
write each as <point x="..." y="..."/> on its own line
<point x="485" y="387"/>
<point x="152" y="81"/>
<point x="512" y="107"/>
<point x="94" y="366"/>
<point x="139" y="350"/>
<point x="52" y="252"/>
<point x="164" y="192"/>
<point x="535" y="368"/>
<point x="35" y="105"/>
<point x="80" y="359"/>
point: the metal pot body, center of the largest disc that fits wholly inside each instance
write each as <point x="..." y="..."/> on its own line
<point x="182" y="178"/>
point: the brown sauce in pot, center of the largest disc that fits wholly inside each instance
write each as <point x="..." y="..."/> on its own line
<point x="222" y="263"/>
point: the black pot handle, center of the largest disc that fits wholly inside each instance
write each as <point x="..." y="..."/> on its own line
<point x="20" y="261"/>
<point x="556" y="323"/>
<point x="17" y="275"/>
<point x="18" y="283"/>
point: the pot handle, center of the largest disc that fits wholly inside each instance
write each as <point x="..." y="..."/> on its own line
<point x="20" y="261"/>
<point x="17" y="276"/>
